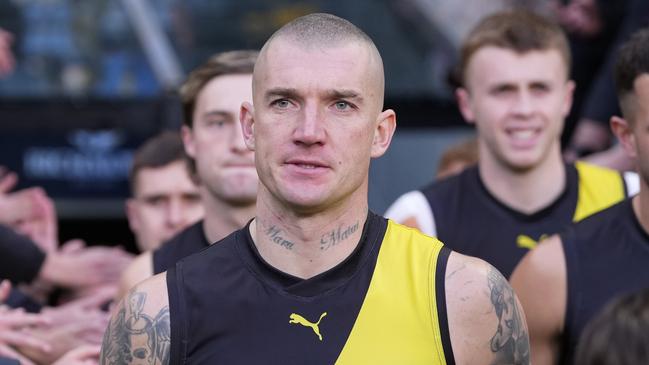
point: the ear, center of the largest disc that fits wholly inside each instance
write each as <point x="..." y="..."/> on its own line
<point x="131" y="214"/>
<point x="247" y="119"/>
<point x="568" y="97"/>
<point x="385" y="127"/>
<point x="624" y="133"/>
<point x="464" y="104"/>
<point x="188" y="141"/>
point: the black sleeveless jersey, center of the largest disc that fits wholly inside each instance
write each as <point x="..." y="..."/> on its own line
<point x="384" y="304"/>
<point x="471" y="221"/>
<point x="188" y="241"/>
<point x="607" y="255"/>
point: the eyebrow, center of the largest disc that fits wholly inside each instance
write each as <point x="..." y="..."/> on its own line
<point x="217" y="113"/>
<point x="345" y="94"/>
<point x="330" y="94"/>
<point x="281" y="92"/>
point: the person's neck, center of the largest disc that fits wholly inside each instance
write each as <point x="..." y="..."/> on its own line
<point x="222" y="218"/>
<point x="641" y="205"/>
<point x="525" y="191"/>
<point x="305" y="244"/>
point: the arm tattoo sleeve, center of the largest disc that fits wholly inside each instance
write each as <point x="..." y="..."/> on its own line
<point x="129" y="326"/>
<point x="510" y="344"/>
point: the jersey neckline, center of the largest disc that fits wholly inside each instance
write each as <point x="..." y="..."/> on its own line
<point x="373" y="231"/>
<point x="569" y="188"/>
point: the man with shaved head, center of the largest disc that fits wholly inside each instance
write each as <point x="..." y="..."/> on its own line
<point x="315" y="277"/>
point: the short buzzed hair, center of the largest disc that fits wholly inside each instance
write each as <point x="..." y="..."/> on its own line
<point x="321" y="29"/>
<point x="227" y="63"/>
<point x="632" y="62"/>
<point x="158" y="151"/>
<point x="518" y="30"/>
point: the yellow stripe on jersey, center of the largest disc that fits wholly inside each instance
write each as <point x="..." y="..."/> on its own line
<point x="599" y="188"/>
<point x="398" y="321"/>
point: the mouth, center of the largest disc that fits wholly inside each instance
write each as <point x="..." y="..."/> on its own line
<point x="523" y="136"/>
<point x="308" y="165"/>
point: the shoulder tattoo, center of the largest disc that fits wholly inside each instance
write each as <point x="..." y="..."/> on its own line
<point x="129" y="326"/>
<point x="510" y="344"/>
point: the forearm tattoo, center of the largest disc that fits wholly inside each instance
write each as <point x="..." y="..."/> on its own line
<point x="510" y="343"/>
<point x="134" y="326"/>
<point x="336" y="236"/>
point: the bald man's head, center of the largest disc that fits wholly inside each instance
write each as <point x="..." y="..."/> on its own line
<point x="323" y="31"/>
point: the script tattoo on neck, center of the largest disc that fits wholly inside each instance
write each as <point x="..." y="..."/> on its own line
<point x="277" y="236"/>
<point x="510" y="343"/>
<point x="131" y="323"/>
<point x="336" y="236"/>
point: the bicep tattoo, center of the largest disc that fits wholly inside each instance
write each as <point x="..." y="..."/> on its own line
<point x="510" y="344"/>
<point x="133" y="336"/>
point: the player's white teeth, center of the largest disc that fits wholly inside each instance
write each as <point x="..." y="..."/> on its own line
<point x="522" y="134"/>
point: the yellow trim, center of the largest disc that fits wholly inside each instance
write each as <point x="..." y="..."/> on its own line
<point x="398" y="322"/>
<point x="599" y="188"/>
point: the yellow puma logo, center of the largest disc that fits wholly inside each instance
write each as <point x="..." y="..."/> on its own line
<point x="296" y="318"/>
<point x="527" y="242"/>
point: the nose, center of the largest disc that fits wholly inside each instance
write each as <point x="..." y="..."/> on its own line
<point x="523" y="105"/>
<point x="175" y="213"/>
<point x="310" y="128"/>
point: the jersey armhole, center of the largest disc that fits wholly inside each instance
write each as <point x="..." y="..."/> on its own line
<point x="440" y="295"/>
<point x="177" y="314"/>
<point x="573" y="297"/>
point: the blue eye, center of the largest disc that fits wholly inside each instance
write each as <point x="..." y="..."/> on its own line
<point x="282" y="103"/>
<point x="342" y="105"/>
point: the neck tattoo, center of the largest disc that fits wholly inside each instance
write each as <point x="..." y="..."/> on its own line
<point x="277" y="236"/>
<point x="338" y="235"/>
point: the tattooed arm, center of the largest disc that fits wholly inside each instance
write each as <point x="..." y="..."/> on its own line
<point x="540" y="281"/>
<point x="486" y="321"/>
<point x="139" y="330"/>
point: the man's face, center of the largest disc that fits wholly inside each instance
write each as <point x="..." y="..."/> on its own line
<point x="518" y="103"/>
<point x="164" y="202"/>
<point x="224" y="164"/>
<point x="316" y="123"/>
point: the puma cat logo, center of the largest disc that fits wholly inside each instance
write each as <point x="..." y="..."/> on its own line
<point x="527" y="242"/>
<point x="296" y="318"/>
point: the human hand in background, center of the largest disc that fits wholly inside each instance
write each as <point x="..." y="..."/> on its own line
<point x="84" y="266"/>
<point x="85" y="327"/>
<point x="71" y="325"/>
<point x="29" y="211"/>
<point x="85" y="355"/>
<point x="7" y="59"/>
<point x="13" y="324"/>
